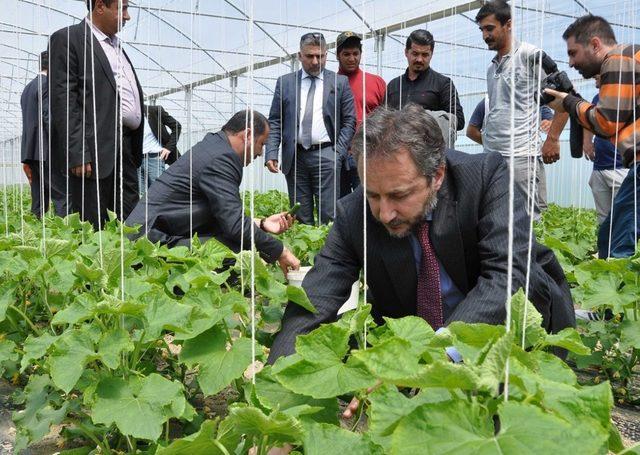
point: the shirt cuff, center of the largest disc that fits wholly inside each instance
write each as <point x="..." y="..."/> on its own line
<point x="452" y="352"/>
<point x="570" y="104"/>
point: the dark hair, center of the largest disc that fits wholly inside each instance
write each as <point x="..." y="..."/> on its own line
<point x="350" y="44"/>
<point x="586" y="27"/>
<point x="240" y="122"/>
<point x="420" y="37"/>
<point x="313" y="39"/>
<point x="412" y="128"/>
<point x="91" y="4"/>
<point x="44" y="61"/>
<point x="499" y="8"/>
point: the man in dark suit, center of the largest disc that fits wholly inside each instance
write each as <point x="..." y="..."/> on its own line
<point x="199" y="194"/>
<point x="159" y="147"/>
<point x="313" y="117"/>
<point x="437" y="233"/>
<point x="45" y="183"/>
<point x="96" y="109"/>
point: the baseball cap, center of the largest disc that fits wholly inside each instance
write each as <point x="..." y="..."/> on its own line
<point x="343" y="37"/>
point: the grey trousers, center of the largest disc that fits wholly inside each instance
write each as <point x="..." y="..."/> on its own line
<point x="312" y="181"/>
<point x="604" y="186"/>
<point x="533" y="184"/>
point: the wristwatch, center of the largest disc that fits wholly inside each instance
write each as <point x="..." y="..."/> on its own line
<point x="262" y="224"/>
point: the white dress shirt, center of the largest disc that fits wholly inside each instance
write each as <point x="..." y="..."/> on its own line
<point x="318" y="129"/>
<point x="124" y="76"/>
<point x="150" y="143"/>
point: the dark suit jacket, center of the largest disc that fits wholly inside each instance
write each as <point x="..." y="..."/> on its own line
<point x="79" y="88"/>
<point x="160" y="123"/>
<point x="217" y="208"/>
<point x="469" y="233"/>
<point x="337" y="108"/>
<point x="34" y="115"/>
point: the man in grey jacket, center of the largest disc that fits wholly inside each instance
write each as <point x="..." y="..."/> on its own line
<point x="199" y="194"/>
<point x="313" y="117"/>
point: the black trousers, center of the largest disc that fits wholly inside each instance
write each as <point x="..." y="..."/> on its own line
<point x="51" y="186"/>
<point x="92" y="198"/>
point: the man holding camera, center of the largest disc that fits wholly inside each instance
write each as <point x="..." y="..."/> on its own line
<point x="593" y="50"/>
<point x="494" y="20"/>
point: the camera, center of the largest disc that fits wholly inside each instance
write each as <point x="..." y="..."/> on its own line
<point x="558" y="81"/>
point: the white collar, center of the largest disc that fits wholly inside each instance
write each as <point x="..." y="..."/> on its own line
<point x="319" y="76"/>
<point x="99" y="34"/>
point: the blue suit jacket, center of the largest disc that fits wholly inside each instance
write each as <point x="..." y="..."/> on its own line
<point x="337" y="108"/>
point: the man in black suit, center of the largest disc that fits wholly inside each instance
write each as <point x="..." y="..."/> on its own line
<point x="199" y="194"/>
<point x="45" y="183"/>
<point x="313" y="117"/>
<point x="437" y="234"/>
<point x="159" y="147"/>
<point x="96" y="109"/>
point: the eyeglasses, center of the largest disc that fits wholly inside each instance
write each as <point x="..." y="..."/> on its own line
<point x="314" y="35"/>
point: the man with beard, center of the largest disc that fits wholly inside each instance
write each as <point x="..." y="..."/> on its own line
<point x="593" y="50"/>
<point x="437" y="229"/>
<point x="522" y="64"/>
<point x="313" y="118"/>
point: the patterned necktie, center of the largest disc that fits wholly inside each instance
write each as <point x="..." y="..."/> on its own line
<point x="307" y="119"/>
<point x="428" y="295"/>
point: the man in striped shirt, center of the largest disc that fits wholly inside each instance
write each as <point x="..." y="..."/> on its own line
<point x="592" y="49"/>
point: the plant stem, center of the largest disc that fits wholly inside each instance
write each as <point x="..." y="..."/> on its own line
<point x="220" y="447"/>
<point x="26" y="319"/>
<point x="91" y="436"/>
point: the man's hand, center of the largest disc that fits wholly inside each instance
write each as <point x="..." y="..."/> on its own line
<point x="82" y="170"/>
<point x="288" y="261"/>
<point x="559" y="97"/>
<point x="164" y="154"/>
<point x="278" y="223"/>
<point x="26" y="167"/>
<point x="272" y="165"/>
<point x="588" y="150"/>
<point x="550" y="150"/>
<point x="545" y="125"/>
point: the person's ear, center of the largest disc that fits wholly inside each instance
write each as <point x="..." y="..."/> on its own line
<point x="595" y="43"/>
<point x="439" y="177"/>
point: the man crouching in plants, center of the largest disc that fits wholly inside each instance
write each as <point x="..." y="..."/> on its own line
<point x="437" y="229"/>
<point x="199" y="194"/>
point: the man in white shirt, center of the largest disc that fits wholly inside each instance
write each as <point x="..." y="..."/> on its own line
<point x="313" y="117"/>
<point x="159" y="147"/>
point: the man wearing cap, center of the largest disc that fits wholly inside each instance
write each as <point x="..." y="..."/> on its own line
<point x="364" y="86"/>
<point x="422" y="85"/>
<point x="312" y="116"/>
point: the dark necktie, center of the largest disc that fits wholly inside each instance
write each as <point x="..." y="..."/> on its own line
<point x="428" y="295"/>
<point x="307" y="119"/>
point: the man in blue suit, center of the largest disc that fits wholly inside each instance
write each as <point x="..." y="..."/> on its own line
<point x="313" y="117"/>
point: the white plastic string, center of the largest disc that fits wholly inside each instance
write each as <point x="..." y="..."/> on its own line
<point x="96" y="166"/>
<point x="41" y="182"/>
<point x="364" y="173"/>
<point x="511" y="196"/>
<point x="251" y="177"/>
<point x="533" y="191"/>
<point x="189" y="100"/>
<point x="123" y="61"/>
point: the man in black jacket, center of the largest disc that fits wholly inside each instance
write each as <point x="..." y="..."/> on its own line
<point x="44" y="181"/>
<point x="199" y="194"/>
<point x="422" y="85"/>
<point x="437" y="230"/>
<point x="159" y="146"/>
<point x="96" y="113"/>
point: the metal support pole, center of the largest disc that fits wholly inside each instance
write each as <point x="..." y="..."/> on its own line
<point x="187" y="97"/>
<point x="379" y="47"/>
<point x="233" y="80"/>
